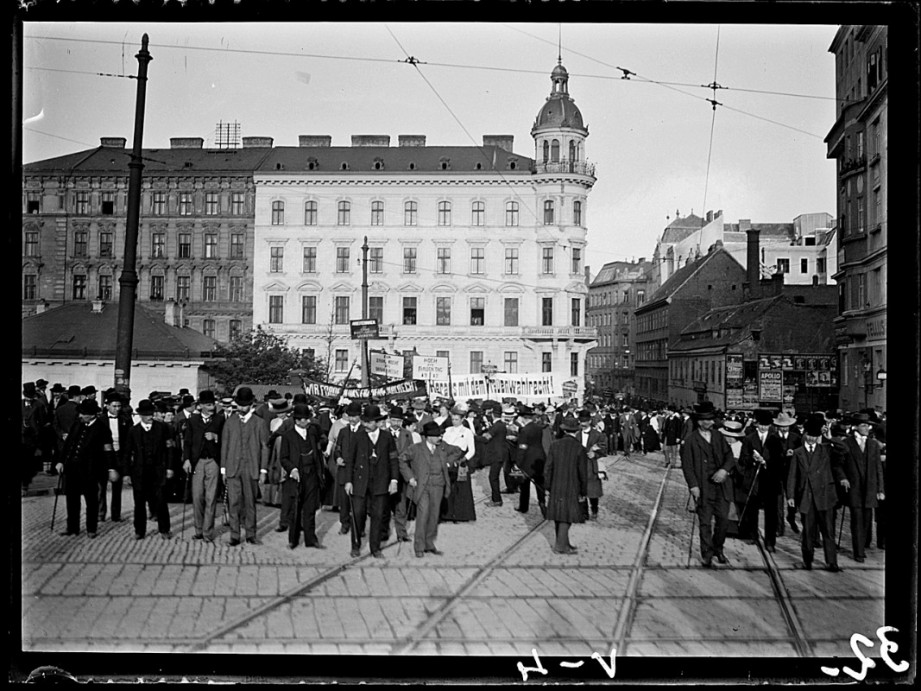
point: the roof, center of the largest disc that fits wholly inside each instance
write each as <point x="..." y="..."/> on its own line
<point x="74" y="330"/>
<point x="394" y="159"/>
<point x="167" y="161"/>
<point x="680" y="277"/>
<point x="621" y="270"/>
<point x="682" y="227"/>
<point x="778" y="230"/>
<point x="730" y="319"/>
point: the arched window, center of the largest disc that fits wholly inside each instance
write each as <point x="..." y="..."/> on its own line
<point x="572" y="150"/>
<point x="546" y="151"/>
<point x="555" y="151"/>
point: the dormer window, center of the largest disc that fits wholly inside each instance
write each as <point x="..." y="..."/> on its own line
<point x="312" y="164"/>
<point x="479" y="166"/>
<point x="378" y="164"/>
<point x="412" y="166"/>
<point x="445" y="163"/>
<point x="279" y="166"/>
<point x="512" y="164"/>
<point x="344" y="166"/>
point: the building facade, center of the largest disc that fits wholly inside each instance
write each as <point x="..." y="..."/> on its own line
<point x="858" y="143"/>
<point x="195" y="235"/>
<point x="473" y="253"/>
<point x="613" y="296"/>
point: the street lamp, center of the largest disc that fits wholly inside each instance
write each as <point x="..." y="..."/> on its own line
<point x="881" y="376"/>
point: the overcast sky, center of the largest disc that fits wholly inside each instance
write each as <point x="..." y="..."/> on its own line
<point x="649" y="136"/>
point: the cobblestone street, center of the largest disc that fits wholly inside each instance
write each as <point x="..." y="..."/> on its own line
<point x="636" y="584"/>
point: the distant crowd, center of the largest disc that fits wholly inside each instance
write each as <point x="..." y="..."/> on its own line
<point x="380" y="466"/>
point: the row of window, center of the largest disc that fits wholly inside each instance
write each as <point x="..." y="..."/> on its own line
<point x="601" y="362"/>
<point x="411" y="213"/>
<point x="599" y="299"/>
<point x="684" y="370"/>
<point x="105" y="284"/>
<point x="409" y="315"/>
<point x="159" y="203"/>
<point x="80" y="247"/>
<point x="410" y="260"/>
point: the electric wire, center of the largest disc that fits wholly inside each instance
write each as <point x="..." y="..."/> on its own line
<point x="712" y="119"/>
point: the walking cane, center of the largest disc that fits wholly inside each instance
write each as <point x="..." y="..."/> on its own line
<point x="355" y="534"/>
<point x="188" y="480"/>
<point x="693" y="511"/>
<point x="841" y="529"/>
<point x="57" y="493"/>
<point x="748" y="498"/>
<point x="226" y="510"/>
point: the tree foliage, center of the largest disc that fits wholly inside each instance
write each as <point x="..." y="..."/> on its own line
<point x="259" y="357"/>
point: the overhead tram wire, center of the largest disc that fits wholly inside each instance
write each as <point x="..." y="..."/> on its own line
<point x="714" y="102"/>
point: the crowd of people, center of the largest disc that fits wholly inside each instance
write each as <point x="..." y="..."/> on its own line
<point x="414" y="460"/>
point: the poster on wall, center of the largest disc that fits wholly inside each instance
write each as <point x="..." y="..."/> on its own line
<point x="734" y="371"/>
<point x="735" y="398"/>
<point x="771" y="386"/>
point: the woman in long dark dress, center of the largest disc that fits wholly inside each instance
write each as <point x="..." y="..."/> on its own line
<point x="459" y="504"/>
<point x="650" y="434"/>
<point x="565" y="473"/>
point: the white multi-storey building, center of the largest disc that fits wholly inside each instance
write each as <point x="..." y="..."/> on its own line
<point x="475" y="253"/>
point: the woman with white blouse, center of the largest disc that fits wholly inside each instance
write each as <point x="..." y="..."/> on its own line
<point x="459" y="504"/>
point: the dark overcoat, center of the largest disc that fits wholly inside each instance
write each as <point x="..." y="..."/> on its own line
<point x="864" y="472"/>
<point x="565" y="475"/>
<point x="370" y="467"/>
<point x="812" y="479"/>
<point x="694" y="463"/>
<point x="594" y="489"/>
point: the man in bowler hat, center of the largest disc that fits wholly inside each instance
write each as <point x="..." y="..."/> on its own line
<point x="149" y="465"/>
<point x="201" y="451"/>
<point x="706" y="460"/>
<point x="244" y="458"/>
<point x="863" y="470"/>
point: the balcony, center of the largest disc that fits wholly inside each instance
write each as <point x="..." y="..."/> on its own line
<point x="850" y="166"/>
<point x="548" y="333"/>
<point x="565" y="166"/>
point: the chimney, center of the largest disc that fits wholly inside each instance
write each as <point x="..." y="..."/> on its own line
<point x="503" y="141"/>
<point x="186" y="142"/>
<point x="709" y="216"/>
<point x="318" y="140"/>
<point x="753" y="263"/>
<point x="370" y="140"/>
<point x="777" y="284"/>
<point x="411" y="139"/>
<point x="113" y="142"/>
<point x="170" y="315"/>
<point x="257" y="142"/>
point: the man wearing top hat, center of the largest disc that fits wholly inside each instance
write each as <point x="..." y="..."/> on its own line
<point x="811" y="491"/>
<point x="706" y="460"/>
<point x="863" y="470"/>
<point x="762" y="464"/>
<point x="120" y="425"/>
<point x="371" y="469"/>
<point x="300" y="457"/>
<point x="201" y="452"/>
<point x="790" y="439"/>
<point x="424" y="466"/>
<point x="244" y="459"/>
<point x="495" y="450"/>
<point x="86" y="457"/>
<point x="149" y="465"/>
<point x="530" y="458"/>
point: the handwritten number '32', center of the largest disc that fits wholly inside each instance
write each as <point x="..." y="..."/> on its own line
<point x="886" y="647"/>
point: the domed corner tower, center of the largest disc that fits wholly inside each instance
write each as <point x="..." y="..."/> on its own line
<point x="559" y="132"/>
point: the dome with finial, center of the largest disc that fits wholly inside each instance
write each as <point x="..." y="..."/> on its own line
<point x="559" y="110"/>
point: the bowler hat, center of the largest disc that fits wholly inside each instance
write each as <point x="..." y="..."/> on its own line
<point x="272" y="393"/>
<point x="58" y="388"/>
<point x="88" y="390"/>
<point x="206" y="396"/>
<point x="373" y="412"/>
<point x="301" y="398"/>
<point x="570" y="424"/>
<point x="244" y="396"/>
<point x="74" y="390"/>
<point x="432" y="429"/>
<point x="353" y="409"/>
<point x="704" y="411"/>
<point x="396" y="412"/>
<point x="88" y="406"/>
<point x="145" y="407"/>
<point x="763" y="416"/>
<point x="188" y="400"/>
<point x="860" y="419"/>
<point x="525" y="410"/>
<point x="814" y="426"/>
<point x="585" y="415"/>
<point x="41" y="383"/>
<point x="302" y="411"/>
<point x="114" y="397"/>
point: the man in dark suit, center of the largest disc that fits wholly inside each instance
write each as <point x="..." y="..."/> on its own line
<point x="495" y="450"/>
<point x="530" y="458"/>
<point x="371" y="469"/>
<point x="863" y="470"/>
<point x="762" y="461"/>
<point x="596" y="447"/>
<point x="397" y="505"/>
<point x="342" y="446"/>
<point x="424" y="466"/>
<point x="790" y="439"/>
<point x="148" y="464"/>
<point x="300" y="456"/>
<point x="811" y="491"/>
<point x="86" y="457"/>
<point x="120" y="426"/>
<point x="706" y="460"/>
<point x="201" y="451"/>
<point x="674" y="428"/>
